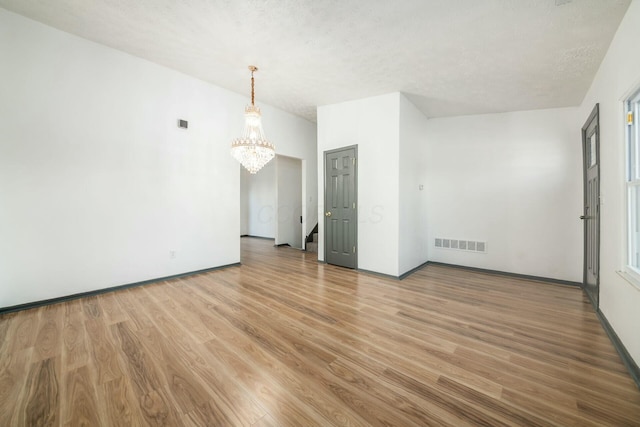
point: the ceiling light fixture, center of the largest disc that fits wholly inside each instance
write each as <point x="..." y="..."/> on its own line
<point x="252" y="150"/>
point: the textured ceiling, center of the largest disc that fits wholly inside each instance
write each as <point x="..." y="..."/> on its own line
<point x="451" y="57"/>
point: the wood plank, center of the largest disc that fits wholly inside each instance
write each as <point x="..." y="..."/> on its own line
<point x="276" y="398"/>
<point x="40" y="400"/>
<point x="266" y="421"/>
<point x="75" y="351"/>
<point x="20" y="331"/>
<point x="120" y="404"/>
<point x="154" y="404"/>
<point x="222" y="386"/>
<point x="189" y="392"/>
<point x="48" y="338"/>
<point x="111" y="309"/>
<point x="103" y="352"/>
<point x="80" y="399"/>
<point x="14" y="368"/>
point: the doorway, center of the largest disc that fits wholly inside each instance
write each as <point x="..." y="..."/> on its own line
<point x="591" y="213"/>
<point x="340" y="201"/>
<point x="271" y="202"/>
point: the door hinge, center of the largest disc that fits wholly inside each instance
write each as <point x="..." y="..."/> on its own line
<point x="354" y="249"/>
<point x="353" y="160"/>
<point x="630" y="118"/>
<point x="354" y="205"/>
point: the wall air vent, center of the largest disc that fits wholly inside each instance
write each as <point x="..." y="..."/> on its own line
<point x="461" y="245"/>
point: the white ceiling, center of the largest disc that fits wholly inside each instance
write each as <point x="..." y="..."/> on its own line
<point x="451" y="57"/>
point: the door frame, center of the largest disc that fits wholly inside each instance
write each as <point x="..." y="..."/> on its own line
<point x="594" y="115"/>
<point x="324" y="198"/>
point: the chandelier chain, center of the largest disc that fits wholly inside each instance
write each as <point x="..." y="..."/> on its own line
<point x="252" y="92"/>
<point x="253" y="69"/>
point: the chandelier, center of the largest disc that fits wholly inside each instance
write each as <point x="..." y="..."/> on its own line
<point x="252" y="150"/>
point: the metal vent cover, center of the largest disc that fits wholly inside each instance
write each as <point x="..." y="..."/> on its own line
<point x="461" y="245"/>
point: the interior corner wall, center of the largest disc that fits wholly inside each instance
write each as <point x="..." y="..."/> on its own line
<point x="289" y="202"/>
<point x="261" y="201"/>
<point x="413" y="232"/>
<point x="244" y="201"/>
<point x="514" y="181"/>
<point x="372" y="124"/>
<point x="616" y="79"/>
<point x="98" y="185"/>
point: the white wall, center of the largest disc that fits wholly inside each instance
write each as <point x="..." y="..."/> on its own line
<point x="244" y="201"/>
<point x="513" y="180"/>
<point x="413" y="236"/>
<point x="261" y="201"/>
<point x="619" y="74"/>
<point x="97" y="183"/>
<point x="289" y="201"/>
<point x="372" y="124"/>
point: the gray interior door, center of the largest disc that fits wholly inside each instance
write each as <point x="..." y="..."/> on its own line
<point x="340" y="201"/>
<point x="591" y="214"/>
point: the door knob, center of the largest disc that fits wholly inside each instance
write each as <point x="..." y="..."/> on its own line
<point x="585" y="217"/>
<point x="327" y="213"/>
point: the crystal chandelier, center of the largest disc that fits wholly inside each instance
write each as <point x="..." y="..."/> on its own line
<point x="252" y="150"/>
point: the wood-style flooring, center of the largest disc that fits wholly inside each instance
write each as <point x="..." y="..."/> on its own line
<point x="283" y="340"/>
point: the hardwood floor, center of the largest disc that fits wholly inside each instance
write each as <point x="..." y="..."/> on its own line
<point x="283" y="340"/>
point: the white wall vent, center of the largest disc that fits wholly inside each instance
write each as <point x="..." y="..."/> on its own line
<point x="461" y="245"/>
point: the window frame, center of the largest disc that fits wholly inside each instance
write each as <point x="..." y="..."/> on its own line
<point x="632" y="182"/>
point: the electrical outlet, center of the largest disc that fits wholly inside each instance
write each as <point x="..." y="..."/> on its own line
<point x="172" y="254"/>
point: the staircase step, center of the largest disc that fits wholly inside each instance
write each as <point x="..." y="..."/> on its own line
<point x="315" y="237"/>
<point x="312" y="247"/>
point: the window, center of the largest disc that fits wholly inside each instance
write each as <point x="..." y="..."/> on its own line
<point x="632" y="113"/>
